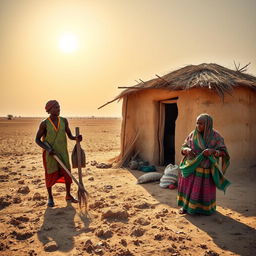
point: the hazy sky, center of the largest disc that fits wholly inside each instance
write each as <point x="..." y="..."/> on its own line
<point x="111" y="43"/>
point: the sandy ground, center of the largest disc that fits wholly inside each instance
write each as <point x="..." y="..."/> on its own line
<point x="124" y="218"/>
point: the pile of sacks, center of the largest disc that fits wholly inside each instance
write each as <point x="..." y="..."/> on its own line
<point x="170" y="177"/>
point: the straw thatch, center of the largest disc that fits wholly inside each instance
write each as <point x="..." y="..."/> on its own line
<point x="210" y="76"/>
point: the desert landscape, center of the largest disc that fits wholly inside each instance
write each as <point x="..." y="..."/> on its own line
<point x="124" y="218"/>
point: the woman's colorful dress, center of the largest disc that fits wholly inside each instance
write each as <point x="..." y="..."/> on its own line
<point x="201" y="175"/>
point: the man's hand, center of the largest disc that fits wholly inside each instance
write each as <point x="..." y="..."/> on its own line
<point x="79" y="138"/>
<point x="51" y="151"/>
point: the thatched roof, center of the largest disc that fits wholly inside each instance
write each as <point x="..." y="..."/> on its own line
<point x="210" y="76"/>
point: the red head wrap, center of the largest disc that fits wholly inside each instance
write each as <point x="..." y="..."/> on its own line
<point x="50" y="104"/>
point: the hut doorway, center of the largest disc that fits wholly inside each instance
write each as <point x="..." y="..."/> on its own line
<point x="168" y="116"/>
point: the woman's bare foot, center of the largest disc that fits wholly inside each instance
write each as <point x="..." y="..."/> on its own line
<point x="182" y="211"/>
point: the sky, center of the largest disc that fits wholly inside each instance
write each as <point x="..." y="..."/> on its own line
<point x="79" y="51"/>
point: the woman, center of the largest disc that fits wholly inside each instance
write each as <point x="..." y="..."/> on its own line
<point x="200" y="172"/>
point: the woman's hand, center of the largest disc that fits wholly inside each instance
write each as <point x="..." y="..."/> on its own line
<point x="209" y="151"/>
<point x="188" y="152"/>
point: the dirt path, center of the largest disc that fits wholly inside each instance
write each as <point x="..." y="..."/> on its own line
<point x="124" y="218"/>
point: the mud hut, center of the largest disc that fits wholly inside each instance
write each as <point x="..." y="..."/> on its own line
<point x="158" y="114"/>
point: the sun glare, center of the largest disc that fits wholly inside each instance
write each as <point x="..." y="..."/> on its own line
<point x="68" y="43"/>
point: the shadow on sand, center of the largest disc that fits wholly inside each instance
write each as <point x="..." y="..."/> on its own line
<point x="227" y="233"/>
<point x="239" y="197"/>
<point x="58" y="229"/>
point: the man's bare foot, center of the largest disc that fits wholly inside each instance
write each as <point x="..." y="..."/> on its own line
<point x="71" y="199"/>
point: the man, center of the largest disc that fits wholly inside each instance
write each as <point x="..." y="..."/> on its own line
<point x="51" y="136"/>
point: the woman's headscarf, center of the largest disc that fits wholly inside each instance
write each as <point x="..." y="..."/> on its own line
<point x="208" y="127"/>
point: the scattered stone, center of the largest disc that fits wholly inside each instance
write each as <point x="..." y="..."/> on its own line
<point x="22" y="219"/>
<point x="143" y="206"/>
<point x="93" y="163"/>
<point x="4" y="178"/>
<point x="23" y="166"/>
<point x="115" y="215"/>
<point x="88" y="247"/>
<point x="97" y="204"/>
<point x="142" y="222"/>
<point x="32" y="253"/>
<point x="203" y="246"/>
<point x="24" y="190"/>
<point x="122" y="252"/>
<point x="104" y="234"/>
<point x="211" y="253"/>
<point x="3" y="247"/>
<point x="108" y="187"/>
<point x="137" y="242"/>
<point x="5" y="201"/>
<point x="36" y="181"/>
<point x="158" y="237"/>
<point x="91" y="179"/>
<point x="38" y="197"/>
<point x="103" y="166"/>
<point x="22" y="236"/>
<point x="123" y="242"/>
<point x="51" y="247"/>
<point x="138" y="232"/>
<point x="21" y="182"/>
<point x="41" y="203"/>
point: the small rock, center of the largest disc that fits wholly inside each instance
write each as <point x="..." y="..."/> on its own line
<point x="103" y="166"/>
<point x="123" y="242"/>
<point x="138" y="232"/>
<point x="158" y="237"/>
<point x="51" y="247"/>
<point x="211" y="253"/>
<point x="16" y="200"/>
<point x="37" y="197"/>
<point x="115" y="215"/>
<point x="23" y="190"/>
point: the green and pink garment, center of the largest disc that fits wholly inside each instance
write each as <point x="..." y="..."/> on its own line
<point x="201" y="175"/>
<point x="56" y="138"/>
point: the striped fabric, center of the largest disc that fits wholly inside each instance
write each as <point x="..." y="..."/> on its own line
<point x="197" y="192"/>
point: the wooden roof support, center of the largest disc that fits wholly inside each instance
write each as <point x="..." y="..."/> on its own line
<point x="162" y="79"/>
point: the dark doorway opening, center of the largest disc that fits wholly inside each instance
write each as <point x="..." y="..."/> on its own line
<point x="171" y="114"/>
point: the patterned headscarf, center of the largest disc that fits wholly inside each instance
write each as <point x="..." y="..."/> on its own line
<point x="50" y="104"/>
<point x="208" y="127"/>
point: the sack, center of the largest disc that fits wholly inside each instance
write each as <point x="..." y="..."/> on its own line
<point x="149" y="177"/>
<point x="170" y="176"/>
<point x="74" y="158"/>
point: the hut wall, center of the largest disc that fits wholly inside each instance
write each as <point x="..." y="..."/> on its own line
<point x="234" y="118"/>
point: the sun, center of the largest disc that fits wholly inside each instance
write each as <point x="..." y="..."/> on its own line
<point x="68" y="43"/>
